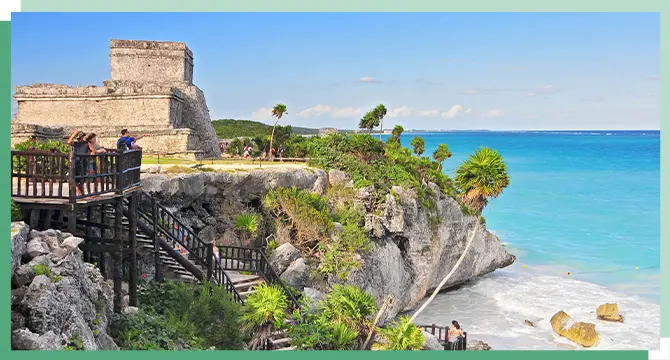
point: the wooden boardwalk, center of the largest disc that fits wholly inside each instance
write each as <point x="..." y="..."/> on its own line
<point x="56" y="193"/>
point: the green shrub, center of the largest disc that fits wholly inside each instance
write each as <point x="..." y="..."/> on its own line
<point x="340" y="322"/>
<point x="266" y="306"/>
<point x="180" y="316"/>
<point x="402" y="335"/>
<point x="16" y="212"/>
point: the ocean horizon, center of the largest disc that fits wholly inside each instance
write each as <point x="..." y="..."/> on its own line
<point x="582" y="215"/>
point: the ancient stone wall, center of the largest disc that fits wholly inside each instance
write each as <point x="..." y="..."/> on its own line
<point x="150" y="61"/>
<point x="150" y="91"/>
<point x="84" y="107"/>
<point x="22" y="132"/>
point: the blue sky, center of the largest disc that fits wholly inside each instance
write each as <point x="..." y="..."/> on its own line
<point x="499" y="71"/>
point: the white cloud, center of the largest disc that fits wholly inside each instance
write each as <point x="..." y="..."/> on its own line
<point x="263" y="113"/>
<point x="470" y="92"/>
<point x="548" y="88"/>
<point x="654" y="77"/>
<point x="467" y="111"/>
<point x="368" y="79"/>
<point x="493" y="113"/>
<point x="428" y="113"/>
<point x="531" y="94"/>
<point x="403" y="111"/>
<point x="327" y="110"/>
<point x="453" y="112"/>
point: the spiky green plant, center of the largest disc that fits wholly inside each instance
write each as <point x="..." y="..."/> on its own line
<point x="265" y="310"/>
<point x="481" y="177"/>
<point x="402" y="335"/>
<point x="350" y="305"/>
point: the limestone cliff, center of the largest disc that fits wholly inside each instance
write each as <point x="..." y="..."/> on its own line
<point x="411" y="251"/>
<point x="58" y="300"/>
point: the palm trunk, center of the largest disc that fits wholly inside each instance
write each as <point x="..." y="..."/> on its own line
<point x="272" y="137"/>
<point x="381" y="129"/>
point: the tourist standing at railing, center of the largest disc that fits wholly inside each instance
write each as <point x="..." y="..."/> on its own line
<point x="80" y="147"/>
<point x="455" y="335"/>
<point x="129" y="141"/>
<point x="94" y="149"/>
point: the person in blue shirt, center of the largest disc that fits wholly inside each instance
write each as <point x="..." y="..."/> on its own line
<point x="127" y="141"/>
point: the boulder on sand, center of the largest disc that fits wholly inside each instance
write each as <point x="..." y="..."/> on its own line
<point x="609" y="312"/>
<point x="581" y="333"/>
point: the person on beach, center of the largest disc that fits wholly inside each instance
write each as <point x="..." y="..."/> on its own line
<point x="80" y="148"/>
<point x="455" y="336"/>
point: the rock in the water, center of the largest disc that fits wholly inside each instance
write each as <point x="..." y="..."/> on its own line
<point x="527" y="322"/>
<point x="581" y="333"/>
<point x="282" y="257"/>
<point x="476" y="345"/>
<point x="297" y="274"/>
<point x="431" y="342"/>
<point x="609" y="312"/>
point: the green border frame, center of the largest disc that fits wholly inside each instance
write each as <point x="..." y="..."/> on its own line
<point x="659" y="6"/>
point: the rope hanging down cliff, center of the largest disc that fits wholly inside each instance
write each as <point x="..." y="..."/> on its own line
<point x="444" y="281"/>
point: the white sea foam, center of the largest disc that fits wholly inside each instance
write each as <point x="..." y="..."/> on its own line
<point x="493" y="309"/>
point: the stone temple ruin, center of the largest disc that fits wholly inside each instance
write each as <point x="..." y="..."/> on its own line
<point x="151" y="91"/>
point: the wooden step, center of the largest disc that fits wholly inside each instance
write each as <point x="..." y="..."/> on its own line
<point x="248" y="284"/>
<point x="247" y="293"/>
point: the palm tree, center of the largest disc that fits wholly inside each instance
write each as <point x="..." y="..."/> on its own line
<point x="419" y="145"/>
<point x="395" y="135"/>
<point x="368" y="121"/>
<point x="379" y="112"/>
<point x="441" y="153"/>
<point x="481" y="177"/>
<point x="278" y="111"/>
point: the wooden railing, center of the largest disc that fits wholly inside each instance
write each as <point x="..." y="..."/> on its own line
<point x="180" y="238"/>
<point x="253" y="260"/>
<point x="442" y="334"/>
<point x="56" y="175"/>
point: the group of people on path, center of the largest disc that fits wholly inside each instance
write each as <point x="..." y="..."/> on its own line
<point x="87" y="144"/>
<point x="249" y="150"/>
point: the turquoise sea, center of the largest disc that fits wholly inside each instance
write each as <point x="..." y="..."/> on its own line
<point x="583" y="202"/>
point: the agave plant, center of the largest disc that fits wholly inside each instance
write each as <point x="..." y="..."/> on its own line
<point x="350" y="305"/>
<point x="248" y="224"/>
<point x="402" y="335"/>
<point x="481" y="177"/>
<point x="265" y="310"/>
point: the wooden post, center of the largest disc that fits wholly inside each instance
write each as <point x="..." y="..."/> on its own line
<point x="210" y="260"/>
<point x="73" y="185"/>
<point x="132" y="232"/>
<point x="117" y="254"/>
<point x="101" y="255"/>
<point x="89" y="218"/>
<point x="158" y="275"/>
<point x="72" y="221"/>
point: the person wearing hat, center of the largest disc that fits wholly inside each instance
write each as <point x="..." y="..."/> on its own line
<point x="81" y="149"/>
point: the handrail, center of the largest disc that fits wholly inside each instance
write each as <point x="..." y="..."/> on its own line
<point x="198" y="249"/>
<point x="445" y="341"/>
<point x="238" y="258"/>
<point x="54" y="174"/>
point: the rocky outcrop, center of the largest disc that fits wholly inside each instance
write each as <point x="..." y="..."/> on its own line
<point x="413" y="247"/>
<point x="431" y="342"/>
<point x="477" y="345"/>
<point x="282" y="257"/>
<point x="609" y="312"/>
<point x="581" y="333"/>
<point x="58" y="300"/>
